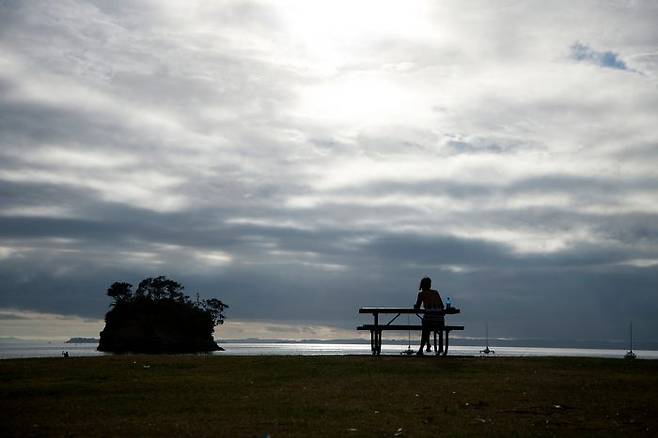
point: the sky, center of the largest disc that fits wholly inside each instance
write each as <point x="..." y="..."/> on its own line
<point x="299" y="160"/>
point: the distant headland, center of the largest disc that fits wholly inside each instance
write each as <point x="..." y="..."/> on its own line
<point x="83" y="341"/>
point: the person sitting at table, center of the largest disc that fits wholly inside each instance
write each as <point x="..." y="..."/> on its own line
<point x="433" y="305"/>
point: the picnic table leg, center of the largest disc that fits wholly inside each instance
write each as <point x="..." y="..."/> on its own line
<point x="440" y="350"/>
<point x="436" y="351"/>
<point x="378" y="336"/>
<point x="445" y="352"/>
<point x="375" y="342"/>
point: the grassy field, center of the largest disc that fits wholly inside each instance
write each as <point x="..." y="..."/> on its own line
<point x="327" y="396"/>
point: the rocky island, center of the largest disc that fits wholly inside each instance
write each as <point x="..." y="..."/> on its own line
<point x="159" y="318"/>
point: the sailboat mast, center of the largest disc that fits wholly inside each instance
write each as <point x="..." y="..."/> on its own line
<point x="631" y="336"/>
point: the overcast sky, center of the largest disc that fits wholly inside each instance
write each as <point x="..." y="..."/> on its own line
<point x="301" y="159"/>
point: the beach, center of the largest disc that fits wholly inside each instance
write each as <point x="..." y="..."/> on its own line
<point x="359" y="395"/>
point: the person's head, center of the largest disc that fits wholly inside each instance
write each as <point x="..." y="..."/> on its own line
<point x="425" y="283"/>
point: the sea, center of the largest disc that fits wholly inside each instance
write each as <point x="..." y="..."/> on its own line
<point x="16" y="349"/>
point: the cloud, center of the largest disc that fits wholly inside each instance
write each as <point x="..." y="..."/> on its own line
<point x="581" y="52"/>
<point x="46" y="326"/>
<point x="7" y="316"/>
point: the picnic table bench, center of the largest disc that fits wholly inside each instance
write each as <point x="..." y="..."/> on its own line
<point x="377" y="328"/>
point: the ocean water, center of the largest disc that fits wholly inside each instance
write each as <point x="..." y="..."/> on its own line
<point x="13" y="350"/>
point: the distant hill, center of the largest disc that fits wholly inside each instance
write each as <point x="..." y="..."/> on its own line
<point x="83" y="341"/>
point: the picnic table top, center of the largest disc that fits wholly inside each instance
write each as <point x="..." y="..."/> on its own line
<point x="410" y="310"/>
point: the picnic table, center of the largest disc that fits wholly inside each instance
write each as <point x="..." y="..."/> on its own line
<point x="377" y="328"/>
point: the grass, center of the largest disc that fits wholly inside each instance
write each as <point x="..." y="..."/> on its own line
<point x="135" y="395"/>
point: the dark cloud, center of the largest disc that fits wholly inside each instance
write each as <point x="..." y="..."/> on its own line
<point x="481" y="147"/>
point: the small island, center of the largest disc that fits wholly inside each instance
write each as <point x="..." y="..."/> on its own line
<point x="159" y="318"/>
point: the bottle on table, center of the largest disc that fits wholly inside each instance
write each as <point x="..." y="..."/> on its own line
<point x="448" y="303"/>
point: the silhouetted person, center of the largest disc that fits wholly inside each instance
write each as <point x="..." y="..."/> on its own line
<point x="433" y="305"/>
<point x="65" y="353"/>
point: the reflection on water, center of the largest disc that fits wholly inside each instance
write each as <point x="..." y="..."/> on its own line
<point x="249" y="349"/>
<point x="10" y="350"/>
<point x="13" y="350"/>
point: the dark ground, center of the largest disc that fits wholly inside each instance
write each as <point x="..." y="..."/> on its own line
<point x="135" y="395"/>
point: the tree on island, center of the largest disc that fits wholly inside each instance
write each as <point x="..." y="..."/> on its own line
<point x="159" y="318"/>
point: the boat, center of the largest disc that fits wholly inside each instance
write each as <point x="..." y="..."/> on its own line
<point x="629" y="354"/>
<point x="409" y="351"/>
<point x="487" y="351"/>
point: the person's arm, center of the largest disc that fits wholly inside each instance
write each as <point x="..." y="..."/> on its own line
<point x="419" y="301"/>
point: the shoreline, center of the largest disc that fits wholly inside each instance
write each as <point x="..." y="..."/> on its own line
<point x="54" y="350"/>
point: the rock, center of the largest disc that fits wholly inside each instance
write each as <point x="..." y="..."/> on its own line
<point x="165" y="326"/>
